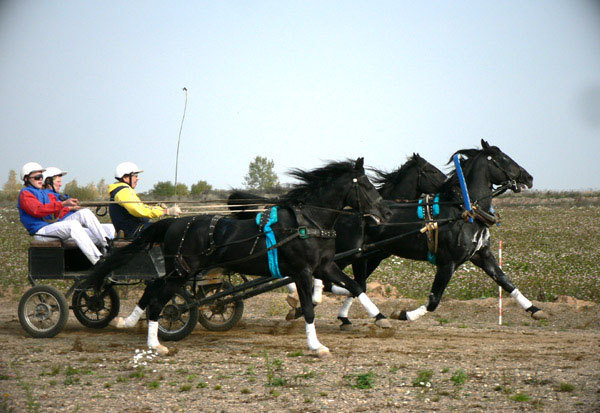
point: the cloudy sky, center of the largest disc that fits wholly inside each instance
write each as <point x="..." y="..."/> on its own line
<point x="85" y="85"/>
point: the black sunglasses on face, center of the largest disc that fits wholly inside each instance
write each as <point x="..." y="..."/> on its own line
<point x="37" y="177"/>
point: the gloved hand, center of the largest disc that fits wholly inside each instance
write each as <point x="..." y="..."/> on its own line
<point x="174" y="210"/>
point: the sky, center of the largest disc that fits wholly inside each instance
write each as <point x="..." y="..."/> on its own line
<point x="85" y="85"/>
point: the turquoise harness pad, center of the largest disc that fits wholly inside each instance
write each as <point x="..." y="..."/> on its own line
<point x="435" y="211"/>
<point x="270" y="239"/>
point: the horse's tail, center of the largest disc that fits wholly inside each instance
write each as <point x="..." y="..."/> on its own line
<point x="243" y="203"/>
<point x="120" y="256"/>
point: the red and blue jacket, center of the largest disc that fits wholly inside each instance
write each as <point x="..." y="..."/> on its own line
<point x="38" y="208"/>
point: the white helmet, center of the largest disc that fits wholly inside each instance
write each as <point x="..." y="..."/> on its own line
<point x="30" y="167"/>
<point x="126" y="168"/>
<point x="53" y="171"/>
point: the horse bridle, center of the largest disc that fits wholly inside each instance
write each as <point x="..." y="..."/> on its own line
<point x="358" y="190"/>
<point x="510" y="182"/>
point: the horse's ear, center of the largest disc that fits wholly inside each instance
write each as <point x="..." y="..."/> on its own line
<point x="360" y="163"/>
<point x="484" y="144"/>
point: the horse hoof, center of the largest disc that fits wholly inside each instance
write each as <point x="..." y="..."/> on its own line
<point x="323" y="352"/>
<point x="118" y="322"/>
<point x="539" y="315"/>
<point x="161" y="350"/>
<point x="399" y="315"/>
<point x="346" y="327"/>
<point x="292" y="301"/>
<point x="383" y="323"/>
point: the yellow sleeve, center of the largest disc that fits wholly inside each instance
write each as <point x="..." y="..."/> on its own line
<point x="137" y="209"/>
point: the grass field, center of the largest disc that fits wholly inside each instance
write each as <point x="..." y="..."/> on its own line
<point x="548" y="251"/>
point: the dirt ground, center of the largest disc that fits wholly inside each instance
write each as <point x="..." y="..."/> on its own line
<point x="456" y="358"/>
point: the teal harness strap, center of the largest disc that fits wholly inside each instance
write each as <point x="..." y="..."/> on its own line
<point x="424" y="211"/>
<point x="270" y="239"/>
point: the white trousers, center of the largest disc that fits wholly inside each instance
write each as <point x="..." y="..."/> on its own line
<point x="84" y="228"/>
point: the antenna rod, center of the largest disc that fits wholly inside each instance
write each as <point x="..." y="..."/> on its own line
<point x="179" y="138"/>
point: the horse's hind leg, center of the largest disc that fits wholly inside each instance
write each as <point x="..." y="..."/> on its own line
<point x="362" y="269"/>
<point x="485" y="260"/>
<point x="163" y="290"/>
<point x="337" y="276"/>
<point x="440" y="282"/>
<point x="138" y="311"/>
<point x="304" y="284"/>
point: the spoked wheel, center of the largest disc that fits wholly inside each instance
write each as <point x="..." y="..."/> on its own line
<point x="43" y="311"/>
<point x="218" y="316"/>
<point x="93" y="310"/>
<point x="178" y="318"/>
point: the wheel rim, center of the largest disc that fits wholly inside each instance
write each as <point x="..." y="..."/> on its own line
<point x="94" y="308"/>
<point x="174" y="316"/>
<point x="42" y="311"/>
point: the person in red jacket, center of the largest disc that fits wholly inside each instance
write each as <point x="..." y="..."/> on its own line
<point x="47" y="218"/>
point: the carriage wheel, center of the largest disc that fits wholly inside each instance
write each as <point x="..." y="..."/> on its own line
<point x="43" y="311"/>
<point x="93" y="310"/>
<point x="178" y="318"/>
<point x="217" y="316"/>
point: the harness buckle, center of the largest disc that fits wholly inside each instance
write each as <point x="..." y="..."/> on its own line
<point x="303" y="232"/>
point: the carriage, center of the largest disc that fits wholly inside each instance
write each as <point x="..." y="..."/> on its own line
<point x="210" y="298"/>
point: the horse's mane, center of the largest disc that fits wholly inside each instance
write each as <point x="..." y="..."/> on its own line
<point x="466" y="164"/>
<point x="384" y="179"/>
<point x="313" y="181"/>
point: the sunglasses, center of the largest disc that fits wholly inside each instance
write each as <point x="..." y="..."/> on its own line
<point x="37" y="177"/>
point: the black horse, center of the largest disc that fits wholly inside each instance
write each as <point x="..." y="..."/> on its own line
<point x="303" y="231"/>
<point x="415" y="177"/>
<point x="458" y="239"/>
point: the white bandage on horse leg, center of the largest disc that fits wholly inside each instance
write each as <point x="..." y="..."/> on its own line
<point x="415" y="314"/>
<point x="133" y="318"/>
<point x="317" y="296"/>
<point x="523" y="302"/>
<point x="368" y="304"/>
<point x="291" y="287"/>
<point x="311" y="336"/>
<point x="153" y="334"/>
<point x="339" y="290"/>
<point x="346" y="307"/>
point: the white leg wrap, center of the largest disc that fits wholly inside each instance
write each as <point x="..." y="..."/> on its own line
<point x="415" y="314"/>
<point x="153" y="334"/>
<point x="339" y="290"/>
<point x="368" y="304"/>
<point x="291" y="287"/>
<point x="317" y="296"/>
<point x="523" y="302"/>
<point x="133" y="318"/>
<point x="311" y="336"/>
<point x="346" y="307"/>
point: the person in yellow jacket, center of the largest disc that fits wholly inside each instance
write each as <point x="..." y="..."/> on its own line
<point x="130" y="214"/>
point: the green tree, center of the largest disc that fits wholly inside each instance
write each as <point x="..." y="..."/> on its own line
<point x="200" y="188"/>
<point x="83" y="193"/>
<point x="12" y="187"/>
<point x="182" y="190"/>
<point x="261" y="175"/>
<point x="163" y="189"/>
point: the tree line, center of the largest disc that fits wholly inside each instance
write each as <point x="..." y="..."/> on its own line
<point x="260" y="177"/>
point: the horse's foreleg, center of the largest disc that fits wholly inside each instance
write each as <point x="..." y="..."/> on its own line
<point x="442" y="277"/>
<point x="337" y="276"/>
<point x="361" y="268"/>
<point x="485" y="260"/>
<point x="304" y="284"/>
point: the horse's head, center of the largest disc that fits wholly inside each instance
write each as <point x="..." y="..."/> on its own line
<point x="429" y="178"/>
<point x="363" y="196"/>
<point x="415" y="177"/>
<point x="503" y="170"/>
<point x="338" y="185"/>
<point x="497" y="166"/>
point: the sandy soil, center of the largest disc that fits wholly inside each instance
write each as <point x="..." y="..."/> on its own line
<point x="263" y="363"/>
